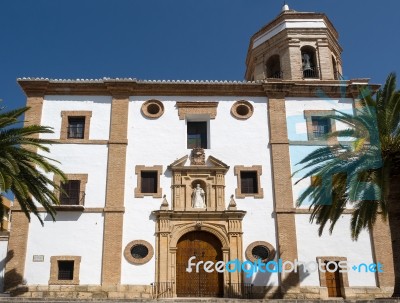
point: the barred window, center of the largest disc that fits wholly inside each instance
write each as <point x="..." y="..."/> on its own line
<point x="71" y="192"/>
<point x="65" y="270"/>
<point x="249" y="182"/>
<point x="76" y="127"/>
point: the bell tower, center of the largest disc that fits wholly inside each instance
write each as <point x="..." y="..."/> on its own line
<point x="295" y="46"/>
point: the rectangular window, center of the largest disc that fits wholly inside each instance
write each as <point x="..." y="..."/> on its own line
<point x="76" y="127"/>
<point x="196" y="134"/>
<point x="320" y="126"/>
<point x="65" y="270"/>
<point x="249" y="182"/>
<point x="149" y="181"/>
<point x="71" y="192"/>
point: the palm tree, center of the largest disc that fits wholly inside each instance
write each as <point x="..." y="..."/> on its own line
<point x="22" y="169"/>
<point x="364" y="172"/>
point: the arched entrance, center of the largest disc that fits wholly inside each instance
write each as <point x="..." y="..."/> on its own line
<point x="206" y="247"/>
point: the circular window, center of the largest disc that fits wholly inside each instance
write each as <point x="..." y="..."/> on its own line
<point x="138" y="252"/>
<point x="260" y="250"/>
<point x="242" y="110"/>
<point x="153" y="109"/>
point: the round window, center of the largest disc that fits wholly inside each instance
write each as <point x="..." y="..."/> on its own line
<point x="152" y="109"/>
<point x="242" y="110"/>
<point x="260" y="250"/>
<point x="138" y="252"/>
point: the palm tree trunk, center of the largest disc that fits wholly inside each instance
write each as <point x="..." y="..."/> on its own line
<point x="394" y="225"/>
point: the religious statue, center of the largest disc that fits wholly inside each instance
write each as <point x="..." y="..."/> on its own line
<point x="198" y="197"/>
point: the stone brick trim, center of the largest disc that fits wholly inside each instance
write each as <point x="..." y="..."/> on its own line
<point x="238" y="191"/>
<point x="17" y="246"/>
<point x="115" y="192"/>
<point x="282" y="187"/>
<point x="128" y="255"/>
<point x="308" y="114"/>
<point x="242" y="110"/>
<point x="65" y="115"/>
<point x="138" y="170"/>
<point x="249" y="249"/>
<point x="152" y="109"/>
<point x="54" y="270"/>
<point x="196" y="108"/>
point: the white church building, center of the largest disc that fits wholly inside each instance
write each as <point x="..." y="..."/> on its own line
<point x="163" y="173"/>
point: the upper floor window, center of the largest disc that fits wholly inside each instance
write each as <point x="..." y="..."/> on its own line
<point x="71" y="193"/>
<point x="249" y="182"/>
<point x="309" y="62"/>
<point x="76" y="127"/>
<point x="148" y="181"/>
<point x="248" y="179"/>
<point x="196" y="134"/>
<point x="319" y="124"/>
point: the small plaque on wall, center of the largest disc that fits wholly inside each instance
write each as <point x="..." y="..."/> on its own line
<point x="38" y="258"/>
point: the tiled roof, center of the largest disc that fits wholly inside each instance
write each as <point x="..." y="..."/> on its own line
<point x="106" y="79"/>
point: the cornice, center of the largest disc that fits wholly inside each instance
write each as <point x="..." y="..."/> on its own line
<point x="125" y="88"/>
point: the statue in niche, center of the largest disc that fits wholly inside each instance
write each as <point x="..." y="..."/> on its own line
<point x="198" y="197"/>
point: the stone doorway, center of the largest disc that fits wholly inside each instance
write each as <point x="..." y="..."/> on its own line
<point x="205" y="247"/>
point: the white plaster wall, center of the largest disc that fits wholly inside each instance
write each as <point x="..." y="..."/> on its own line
<point x="73" y="234"/>
<point x="310" y="246"/>
<point x="88" y="159"/>
<point x="3" y="255"/>
<point x="162" y="141"/>
<point x="99" y="122"/>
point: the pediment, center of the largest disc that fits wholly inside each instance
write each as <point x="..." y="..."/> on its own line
<point x="211" y="163"/>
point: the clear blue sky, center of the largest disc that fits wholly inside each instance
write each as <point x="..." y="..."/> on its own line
<point x="174" y="39"/>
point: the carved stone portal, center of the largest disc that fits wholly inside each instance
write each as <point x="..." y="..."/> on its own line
<point x="183" y="217"/>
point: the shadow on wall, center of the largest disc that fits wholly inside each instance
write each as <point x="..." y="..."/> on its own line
<point x="251" y="290"/>
<point x="13" y="281"/>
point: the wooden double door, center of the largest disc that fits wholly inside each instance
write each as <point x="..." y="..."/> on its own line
<point x="206" y="247"/>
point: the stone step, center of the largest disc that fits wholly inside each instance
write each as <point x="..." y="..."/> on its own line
<point x="191" y="300"/>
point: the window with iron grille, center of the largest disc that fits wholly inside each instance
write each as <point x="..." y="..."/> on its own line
<point x="149" y="181"/>
<point x="76" y="127"/>
<point x="65" y="270"/>
<point x="320" y="126"/>
<point x="196" y="134"/>
<point x="71" y="192"/>
<point x="248" y="181"/>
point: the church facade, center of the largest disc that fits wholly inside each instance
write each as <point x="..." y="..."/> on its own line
<point x="164" y="173"/>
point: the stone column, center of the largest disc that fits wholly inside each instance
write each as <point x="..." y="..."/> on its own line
<point x="17" y="245"/>
<point x="283" y="196"/>
<point x="325" y="60"/>
<point x="115" y="187"/>
<point x="291" y="61"/>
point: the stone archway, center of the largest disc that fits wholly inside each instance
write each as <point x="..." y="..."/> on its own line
<point x="196" y="282"/>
